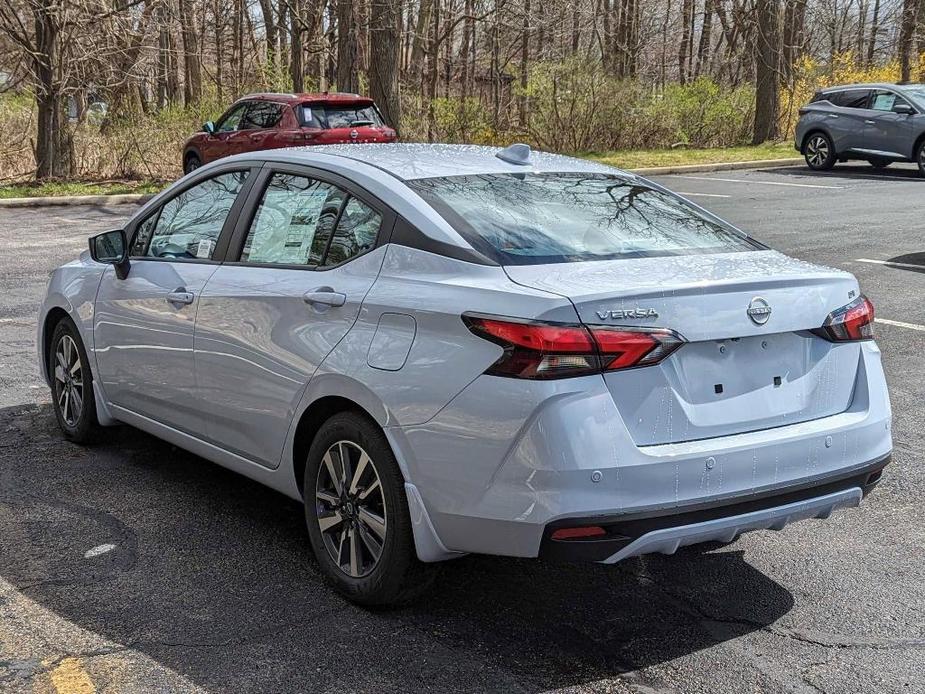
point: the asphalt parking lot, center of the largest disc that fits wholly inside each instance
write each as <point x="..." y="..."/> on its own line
<point x="134" y="566"/>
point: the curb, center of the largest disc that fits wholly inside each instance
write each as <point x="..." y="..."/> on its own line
<point x="725" y="166"/>
<point x="129" y="198"/>
<point x="101" y="200"/>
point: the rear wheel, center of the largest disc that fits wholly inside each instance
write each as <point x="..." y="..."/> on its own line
<point x="191" y="163"/>
<point x="357" y="514"/>
<point x="819" y="152"/>
<point x="72" y="384"/>
<point x="879" y="163"/>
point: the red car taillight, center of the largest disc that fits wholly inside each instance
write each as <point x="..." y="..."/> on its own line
<point x="849" y="323"/>
<point x="538" y="350"/>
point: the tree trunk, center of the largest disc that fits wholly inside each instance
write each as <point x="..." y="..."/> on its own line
<point x="192" y="73"/>
<point x="906" y="32"/>
<point x="687" y="9"/>
<point x="420" y="39"/>
<point x="576" y="25"/>
<point x="54" y="153"/>
<point x="347" y="79"/>
<point x="296" y="73"/>
<point x="385" y="40"/>
<point x="874" y="29"/>
<point x="767" y="71"/>
<point x="525" y="65"/>
<point x="706" y="39"/>
<point x="269" y="23"/>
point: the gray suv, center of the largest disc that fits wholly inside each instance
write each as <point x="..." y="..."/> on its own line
<point x="880" y="123"/>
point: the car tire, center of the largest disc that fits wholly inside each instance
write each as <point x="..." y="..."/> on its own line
<point x="358" y="521"/>
<point x="191" y="163"/>
<point x="920" y="157"/>
<point x="879" y="163"/>
<point x="72" y="385"/>
<point x="819" y="152"/>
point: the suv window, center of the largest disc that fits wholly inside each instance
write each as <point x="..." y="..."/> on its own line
<point x="230" y="120"/>
<point x="532" y="218"/>
<point x="294" y="221"/>
<point x="262" y="114"/>
<point x="885" y="100"/>
<point x="850" y="98"/>
<point x="187" y="226"/>
<point x="320" y="116"/>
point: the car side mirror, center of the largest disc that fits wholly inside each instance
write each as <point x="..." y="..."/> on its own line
<point x="111" y="248"/>
<point x="209" y="127"/>
<point x="904" y="109"/>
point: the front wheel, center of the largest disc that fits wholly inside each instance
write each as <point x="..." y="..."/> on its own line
<point x="920" y="157"/>
<point x="819" y="152"/>
<point x="72" y="385"/>
<point x="357" y="514"/>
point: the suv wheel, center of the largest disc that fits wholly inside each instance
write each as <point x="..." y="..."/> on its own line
<point x="920" y="157"/>
<point x="879" y="163"/>
<point x="191" y="163"/>
<point x="72" y="384"/>
<point x="819" y="152"/>
<point x="357" y="514"/>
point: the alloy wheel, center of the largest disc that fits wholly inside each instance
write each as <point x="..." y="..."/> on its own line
<point x="817" y="151"/>
<point x="69" y="383"/>
<point x="350" y="508"/>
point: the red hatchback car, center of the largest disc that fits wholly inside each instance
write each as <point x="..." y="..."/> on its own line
<point x="268" y="121"/>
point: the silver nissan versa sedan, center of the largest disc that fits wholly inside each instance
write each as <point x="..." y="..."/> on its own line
<point x="452" y="349"/>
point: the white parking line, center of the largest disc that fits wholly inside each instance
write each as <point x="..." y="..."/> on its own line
<point x="705" y="195"/>
<point x="900" y="324"/>
<point x="890" y="263"/>
<point x="766" y="183"/>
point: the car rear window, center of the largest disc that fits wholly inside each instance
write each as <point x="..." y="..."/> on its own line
<point x="340" y="116"/>
<point x="529" y="219"/>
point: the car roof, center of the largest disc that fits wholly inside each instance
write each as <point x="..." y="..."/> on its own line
<point x="410" y="161"/>
<point x="865" y="85"/>
<point x="309" y="97"/>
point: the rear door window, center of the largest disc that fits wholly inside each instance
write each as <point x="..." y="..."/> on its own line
<point x="262" y="115"/>
<point x="527" y="219"/>
<point x="294" y="222"/>
<point x="851" y="98"/>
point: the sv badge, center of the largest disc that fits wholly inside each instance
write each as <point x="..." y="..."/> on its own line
<point x="628" y="313"/>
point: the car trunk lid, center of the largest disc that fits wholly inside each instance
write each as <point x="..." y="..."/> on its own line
<point x="750" y="362"/>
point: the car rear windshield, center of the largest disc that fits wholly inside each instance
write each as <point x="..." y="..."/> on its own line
<point x="529" y="219"/>
<point x="340" y="116"/>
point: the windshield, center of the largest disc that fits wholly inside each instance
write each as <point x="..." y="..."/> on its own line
<point x="528" y="219"/>
<point x="916" y="91"/>
<point x="346" y="116"/>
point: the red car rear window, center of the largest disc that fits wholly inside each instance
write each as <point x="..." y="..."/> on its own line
<point x="339" y="116"/>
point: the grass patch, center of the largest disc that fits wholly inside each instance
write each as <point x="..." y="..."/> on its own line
<point x="62" y="188"/>
<point x="642" y="158"/>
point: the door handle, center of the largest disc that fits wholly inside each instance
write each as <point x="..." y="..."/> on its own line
<point x="871" y="122"/>
<point x="180" y="296"/>
<point x="833" y="115"/>
<point x="324" y="296"/>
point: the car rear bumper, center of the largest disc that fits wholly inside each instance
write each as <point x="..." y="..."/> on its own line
<point x="507" y="459"/>
<point x="630" y="535"/>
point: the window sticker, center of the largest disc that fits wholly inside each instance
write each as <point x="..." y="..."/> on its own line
<point x="204" y="249"/>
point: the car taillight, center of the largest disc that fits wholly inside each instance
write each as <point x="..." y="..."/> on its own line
<point x="539" y="350"/>
<point x="854" y="321"/>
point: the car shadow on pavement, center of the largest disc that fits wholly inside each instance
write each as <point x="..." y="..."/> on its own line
<point x="209" y="575"/>
<point x="854" y="170"/>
